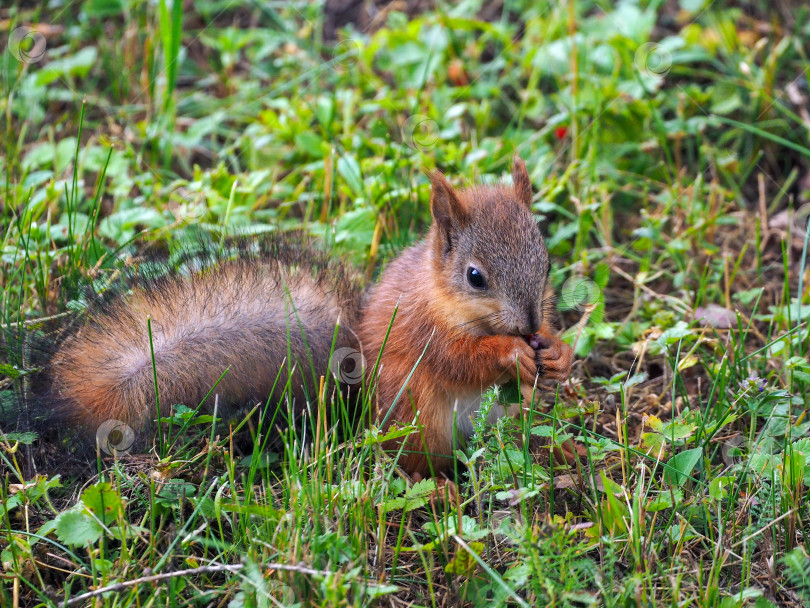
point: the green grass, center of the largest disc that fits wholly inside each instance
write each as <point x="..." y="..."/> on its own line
<point x="663" y="174"/>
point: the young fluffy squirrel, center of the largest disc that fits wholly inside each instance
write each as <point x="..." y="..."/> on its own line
<point x="473" y="296"/>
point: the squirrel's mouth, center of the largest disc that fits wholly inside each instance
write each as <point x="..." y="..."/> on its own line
<point x="538" y="341"/>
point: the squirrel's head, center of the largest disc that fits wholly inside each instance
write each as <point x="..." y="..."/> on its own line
<point x="488" y="251"/>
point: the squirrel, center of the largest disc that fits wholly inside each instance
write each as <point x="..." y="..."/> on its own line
<point x="471" y="306"/>
<point x="474" y="297"/>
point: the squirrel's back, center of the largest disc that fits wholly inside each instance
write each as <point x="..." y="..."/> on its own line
<point x="243" y="327"/>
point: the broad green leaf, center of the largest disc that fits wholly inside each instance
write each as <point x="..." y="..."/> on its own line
<point x="681" y="465"/>
<point x="654" y="443"/>
<point x="103" y="501"/>
<point x="666" y="499"/>
<point x="25" y="437"/>
<point x="102" y="8"/>
<point x="349" y="169"/>
<point x="311" y="143"/>
<point x="75" y="527"/>
<point x="718" y="488"/>
<point x="74" y="65"/>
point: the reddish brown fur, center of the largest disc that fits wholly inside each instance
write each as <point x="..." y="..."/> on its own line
<point x="462" y="358"/>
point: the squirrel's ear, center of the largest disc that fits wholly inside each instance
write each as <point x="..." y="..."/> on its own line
<point x="521" y="182"/>
<point x="448" y="211"/>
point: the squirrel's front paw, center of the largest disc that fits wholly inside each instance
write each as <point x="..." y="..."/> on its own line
<point x="520" y="360"/>
<point x="553" y="357"/>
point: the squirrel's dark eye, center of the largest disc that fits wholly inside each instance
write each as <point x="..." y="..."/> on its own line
<point x="476" y="278"/>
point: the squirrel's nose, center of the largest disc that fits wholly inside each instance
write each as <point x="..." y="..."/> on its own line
<point x="531" y="323"/>
<point x="525" y="329"/>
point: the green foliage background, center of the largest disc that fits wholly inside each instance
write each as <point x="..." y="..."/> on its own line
<point x="668" y="146"/>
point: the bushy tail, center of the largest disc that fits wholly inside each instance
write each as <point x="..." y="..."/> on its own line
<point x="241" y="326"/>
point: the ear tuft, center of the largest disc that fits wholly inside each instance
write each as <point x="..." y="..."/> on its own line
<point x="449" y="213"/>
<point x="521" y="182"/>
